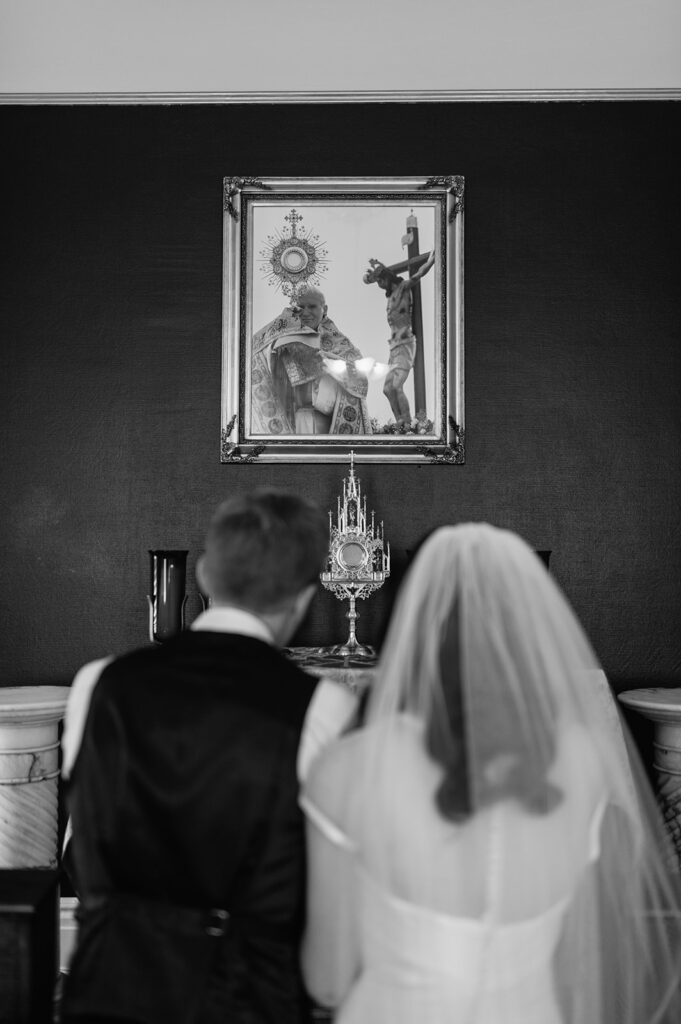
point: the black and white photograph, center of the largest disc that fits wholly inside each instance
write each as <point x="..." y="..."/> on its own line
<point x="340" y="512"/>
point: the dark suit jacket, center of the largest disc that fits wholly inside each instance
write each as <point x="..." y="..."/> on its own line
<point x="183" y="799"/>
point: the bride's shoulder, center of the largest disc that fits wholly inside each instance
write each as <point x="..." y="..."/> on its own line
<point x="578" y="761"/>
<point x="576" y="742"/>
<point x="332" y="766"/>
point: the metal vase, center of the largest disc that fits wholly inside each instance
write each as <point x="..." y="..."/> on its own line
<point x="167" y="594"/>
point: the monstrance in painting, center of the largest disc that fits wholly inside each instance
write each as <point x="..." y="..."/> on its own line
<point x="359" y="560"/>
<point x="293" y="258"/>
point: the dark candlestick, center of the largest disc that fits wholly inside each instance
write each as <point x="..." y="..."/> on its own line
<point x="167" y="595"/>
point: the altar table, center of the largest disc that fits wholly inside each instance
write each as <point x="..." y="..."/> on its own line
<point x="354" y="672"/>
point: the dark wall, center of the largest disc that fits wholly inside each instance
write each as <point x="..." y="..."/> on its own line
<point x="111" y="323"/>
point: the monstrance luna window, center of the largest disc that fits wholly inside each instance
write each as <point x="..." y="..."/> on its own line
<point x="343" y="320"/>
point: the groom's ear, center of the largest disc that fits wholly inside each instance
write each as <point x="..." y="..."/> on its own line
<point x="289" y="618"/>
<point x="303" y="599"/>
<point x="201" y="575"/>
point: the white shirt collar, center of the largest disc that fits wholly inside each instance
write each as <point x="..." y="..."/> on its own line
<point x="224" y="619"/>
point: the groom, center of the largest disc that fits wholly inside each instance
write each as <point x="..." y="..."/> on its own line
<point x="181" y="763"/>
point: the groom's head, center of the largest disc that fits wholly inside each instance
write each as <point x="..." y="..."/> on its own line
<point x="263" y="548"/>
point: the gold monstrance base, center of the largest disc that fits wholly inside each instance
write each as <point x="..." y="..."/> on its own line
<point x="358" y="562"/>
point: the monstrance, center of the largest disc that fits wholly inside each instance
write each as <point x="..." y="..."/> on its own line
<point x="359" y="560"/>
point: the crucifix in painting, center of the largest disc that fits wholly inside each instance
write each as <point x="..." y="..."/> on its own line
<point x="405" y="321"/>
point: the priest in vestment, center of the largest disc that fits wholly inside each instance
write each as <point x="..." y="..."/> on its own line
<point x="294" y="389"/>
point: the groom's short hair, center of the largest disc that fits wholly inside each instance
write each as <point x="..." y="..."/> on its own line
<point x="263" y="547"/>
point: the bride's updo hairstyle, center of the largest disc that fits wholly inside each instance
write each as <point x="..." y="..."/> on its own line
<point x="485" y="650"/>
<point x="509" y="769"/>
<point x="445" y="736"/>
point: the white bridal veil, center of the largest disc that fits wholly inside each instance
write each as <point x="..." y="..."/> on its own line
<point x="494" y="789"/>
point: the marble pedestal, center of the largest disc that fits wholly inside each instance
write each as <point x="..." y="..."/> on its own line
<point x="663" y="707"/>
<point x="29" y="774"/>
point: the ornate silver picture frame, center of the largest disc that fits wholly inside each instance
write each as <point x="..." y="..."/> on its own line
<point x="343" y="320"/>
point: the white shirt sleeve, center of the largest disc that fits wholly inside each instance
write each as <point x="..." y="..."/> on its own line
<point x="329" y="711"/>
<point x="77" y="707"/>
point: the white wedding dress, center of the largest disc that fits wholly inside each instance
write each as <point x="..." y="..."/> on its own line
<point x="420" y="965"/>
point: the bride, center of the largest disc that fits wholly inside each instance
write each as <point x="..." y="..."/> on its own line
<point x="486" y="849"/>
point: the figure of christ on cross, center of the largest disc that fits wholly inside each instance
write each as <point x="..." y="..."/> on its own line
<point x="405" y="343"/>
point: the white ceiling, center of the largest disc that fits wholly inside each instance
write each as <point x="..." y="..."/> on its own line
<point x="225" y="46"/>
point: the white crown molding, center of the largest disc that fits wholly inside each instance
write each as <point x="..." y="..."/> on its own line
<point x="367" y="96"/>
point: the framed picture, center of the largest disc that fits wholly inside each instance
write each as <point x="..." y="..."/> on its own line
<point x="343" y="320"/>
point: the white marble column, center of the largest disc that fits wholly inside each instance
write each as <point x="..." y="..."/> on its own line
<point x="663" y="707"/>
<point x="29" y="774"/>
